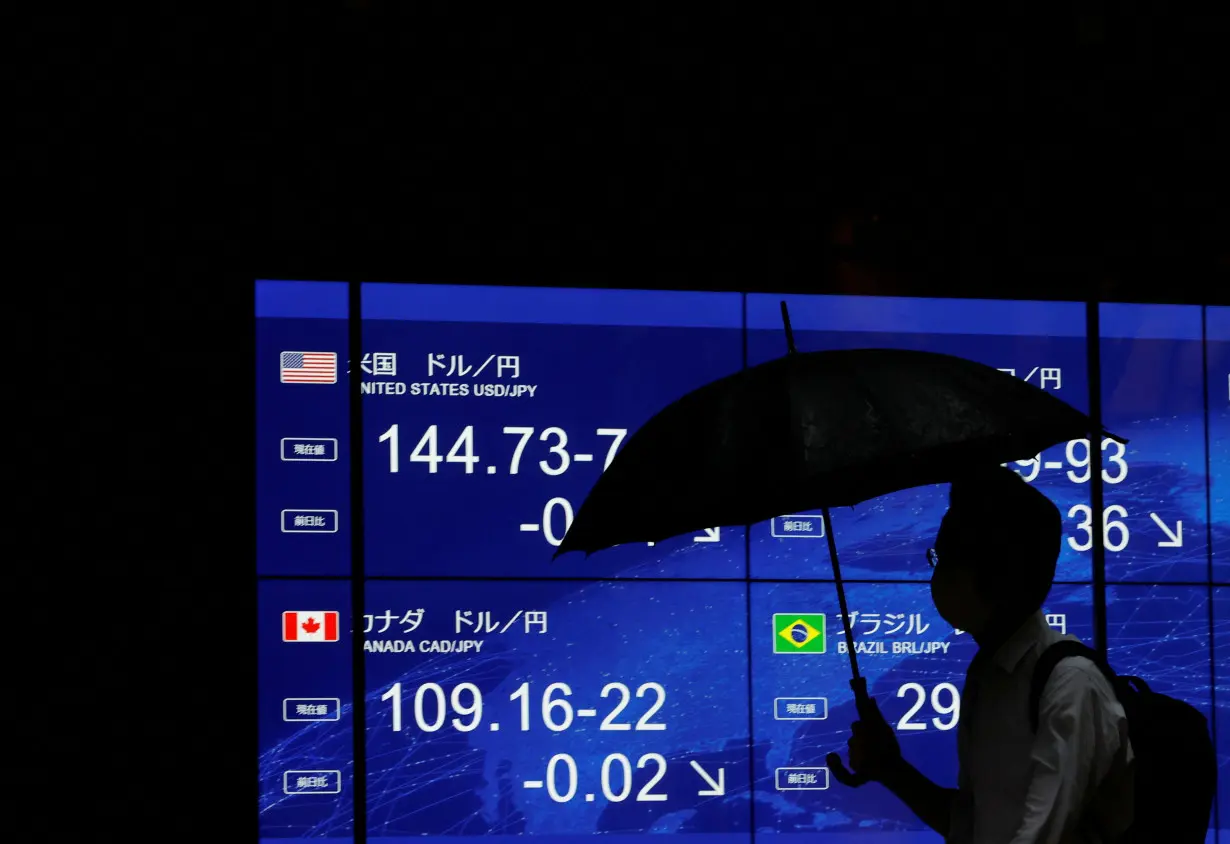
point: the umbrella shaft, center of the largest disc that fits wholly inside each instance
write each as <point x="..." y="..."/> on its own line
<point x="841" y="593"/>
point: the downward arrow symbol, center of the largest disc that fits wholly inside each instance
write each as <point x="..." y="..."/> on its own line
<point x="711" y="535"/>
<point x="1176" y="535"/>
<point x="717" y="787"/>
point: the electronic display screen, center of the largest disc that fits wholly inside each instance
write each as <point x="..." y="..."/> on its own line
<point x="304" y="688"/>
<point x="302" y="429"/>
<point x="1161" y="633"/>
<point x="558" y="709"/>
<point x="494" y="411"/>
<point x="1156" y="487"/>
<point x="1221" y="693"/>
<point x="1217" y="356"/>
<point x="915" y="666"/>
<point x="654" y="689"/>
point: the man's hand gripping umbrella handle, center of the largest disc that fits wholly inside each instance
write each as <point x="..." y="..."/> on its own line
<point x="863" y="705"/>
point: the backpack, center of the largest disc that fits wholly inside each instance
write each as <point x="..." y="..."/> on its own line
<point x="1175" y="761"/>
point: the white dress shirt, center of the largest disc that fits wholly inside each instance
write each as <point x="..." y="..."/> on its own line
<point x="1070" y="783"/>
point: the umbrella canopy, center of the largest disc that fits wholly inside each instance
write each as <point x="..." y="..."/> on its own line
<point x="811" y="431"/>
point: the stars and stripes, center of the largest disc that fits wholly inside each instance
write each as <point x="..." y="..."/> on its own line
<point x="309" y="368"/>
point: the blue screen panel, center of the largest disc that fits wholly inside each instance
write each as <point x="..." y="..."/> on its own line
<point x="615" y="708"/>
<point x="484" y="436"/>
<point x="1217" y="349"/>
<point x="302" y="429"/>
<point x="304" y="695"/>
<point x="1221" y="700"/>
<point x="1153" y="394"/>
<point x="1161" y="634"/>
<point x="887" y="538"/>
<point x="915" y="667"/>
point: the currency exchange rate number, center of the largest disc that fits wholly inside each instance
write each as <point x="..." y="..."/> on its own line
<point x="427" y="450"/>
<point x="556" y="711"/>
<point x="549" y="449"/>
<point x="1116" y="531"/>
<point x="553" y="708"/>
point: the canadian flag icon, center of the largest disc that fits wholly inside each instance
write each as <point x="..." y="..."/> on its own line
<point x="309" y="626"/>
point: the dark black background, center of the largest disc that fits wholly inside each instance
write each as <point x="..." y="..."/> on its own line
<point x="163" y="160"/>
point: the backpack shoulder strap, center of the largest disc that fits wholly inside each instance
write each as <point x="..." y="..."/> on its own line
<point x="1046" y="664"/>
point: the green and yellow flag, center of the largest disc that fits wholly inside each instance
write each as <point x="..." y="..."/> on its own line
<point x="798" y="633"/>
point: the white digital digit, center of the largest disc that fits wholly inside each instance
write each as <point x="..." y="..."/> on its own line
<point x="522" y="694"/>
<point x="617" y="435"/>
<point x="660" y="698"/>
<point x="390" y="437"/>
<point x="646" y="795"/>
<point x="1113" y="526"/>
<point x="1078" y="456"/>
<point x="525" y="434"/>
<point x="547" y="530"/>
<point x="625" y="778"/>
<point x="463" y="450"/>
<point x="426" y="451"/>
<point x="1115" y="458"/>
<point x="474" y="708"/>
<point x="1115" y="534"/>
<point x="571" y="768"/>
<point x="905" y="723"/>
<point x="394" y="694"/>
<point x="420" y="716"/>
<point x="1035" y="462"/>
<point x="950" y="708"/>
<point x="953" y="708"/>
<point x="1086" y="525"/>
<point x="550" y="704"/>
<point x="558" y="449"/>
<point x="1082" y="462"/>
<point x="609" y="722"/>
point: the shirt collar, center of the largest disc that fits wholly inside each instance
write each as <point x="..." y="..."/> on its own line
<point x="1009" y="655"/>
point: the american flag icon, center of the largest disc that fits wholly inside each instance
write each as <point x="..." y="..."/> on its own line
<point x="309" y="368"/>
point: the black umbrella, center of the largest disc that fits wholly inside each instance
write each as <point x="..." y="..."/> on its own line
<point x="816" y="431"/>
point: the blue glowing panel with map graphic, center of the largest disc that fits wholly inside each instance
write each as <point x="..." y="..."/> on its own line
<point x="557" y="710"/>
<point x="302" y="429"/>
<point x="1153" y="395"/>
<point x="1221" y="699"/>
<point x="304" y="694"/>
<point x="491" y="412"/>
<point x="1217" y="350"/>
<point x="887" y="537"/>
<point x="1161" y="634"/>
<point x="558" y="706"/>
<point x="915" y="667"/>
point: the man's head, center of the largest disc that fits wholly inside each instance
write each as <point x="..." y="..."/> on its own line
<point x="995" y="551"/>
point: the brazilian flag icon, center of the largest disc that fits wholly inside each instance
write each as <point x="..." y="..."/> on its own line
<point x="798" y="633"/>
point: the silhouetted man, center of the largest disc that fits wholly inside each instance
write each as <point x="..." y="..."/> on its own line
<point x="1070" y="781"/>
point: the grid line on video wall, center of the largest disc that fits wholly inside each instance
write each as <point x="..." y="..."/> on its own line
<point x="692" y="685"/>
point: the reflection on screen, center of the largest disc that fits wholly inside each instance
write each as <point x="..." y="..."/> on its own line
<point x="692" y="686"/>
